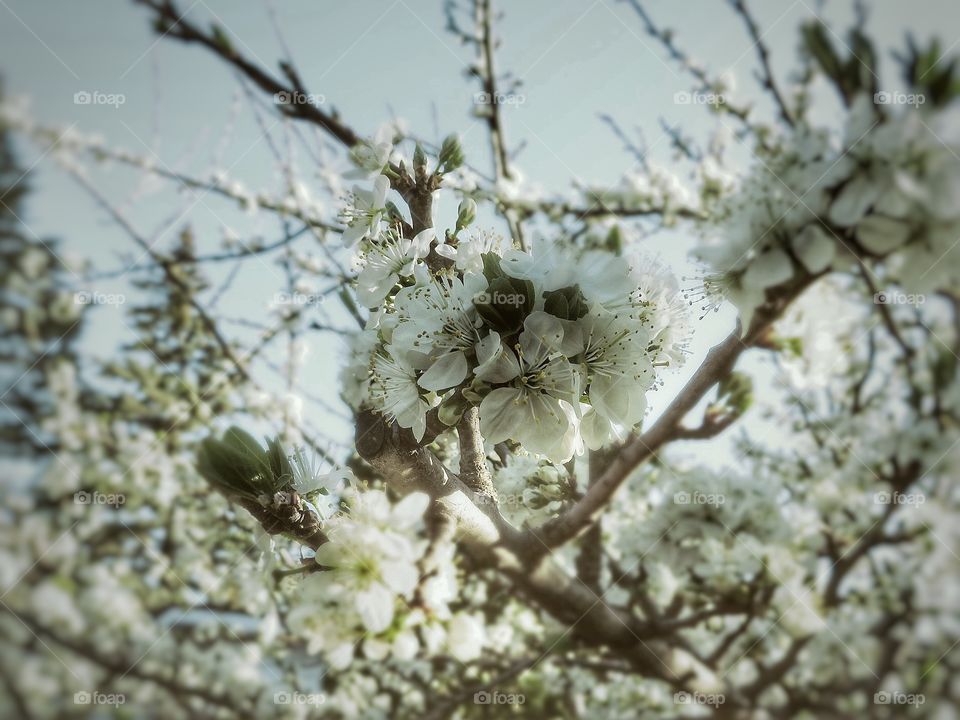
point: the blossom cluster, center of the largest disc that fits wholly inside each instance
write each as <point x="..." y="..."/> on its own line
<point x="558" y="345"/>
<point x="531" y="491"/>
<point x="382" y="589"/>
<point x="885" y="192"/>
<point x="654" y="189"/>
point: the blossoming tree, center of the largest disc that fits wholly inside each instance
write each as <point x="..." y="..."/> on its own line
<point x="513" y="532"/>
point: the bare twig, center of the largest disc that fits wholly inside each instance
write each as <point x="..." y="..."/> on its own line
<point x="171" y="21"/>
<point x="483" y="13"/>
<point x="666" y="40"/>
<point x="763" y="53"/>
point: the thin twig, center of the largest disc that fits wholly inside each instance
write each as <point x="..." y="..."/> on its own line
<point x="763" y="53"/>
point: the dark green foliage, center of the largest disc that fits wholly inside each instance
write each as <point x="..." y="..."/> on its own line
<point x="566" y="303"/>
<point x="857" y="72"/>
<point x="507" y="301"/>
<point x="930" y="73"/>
<point x="927" y="71"/>
<point x="238" y="465"/>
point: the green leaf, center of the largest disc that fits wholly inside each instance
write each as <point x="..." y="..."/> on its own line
<point x="506" y="303"/>
<point x="239" y="465"/>
<point x="282" y="471"/>
<point x="221" y="38"/>
<point x="863" y="61"/>
<point x="818" y="44"/>
<point x="736" y="391"/>
<point x="566" y="303"/>
<point x="491" y="266"/>
<point x="452" y="409"/>
<point x="225" y="468"/>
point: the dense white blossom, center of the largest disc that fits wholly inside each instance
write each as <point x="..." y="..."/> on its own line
<point x="784" y="546"/>
<point x="530" y="490"/>
<point x="364" y="213"/>
<point x="370" y="571"/>
<point x="557" y="346"/>
<point x="891" y="181"/>
<point x="389" y="258"/>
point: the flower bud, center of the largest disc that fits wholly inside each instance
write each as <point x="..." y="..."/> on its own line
<point x="451" y="155"/>
<point x="466" y="213"/>
<point x="419" y="158"/>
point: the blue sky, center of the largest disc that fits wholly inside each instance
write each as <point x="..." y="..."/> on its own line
<point x="373" y="60"/>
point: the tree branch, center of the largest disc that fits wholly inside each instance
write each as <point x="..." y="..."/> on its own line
<point x="718" y="363"/>
<point x="485" y="70"/>
<point x="665" y="38"/>
<point x="763" y="53"/>
<point x="172" y="23"/>
<point x="473" y="465"/>
<point x="121" y="667"/>
<point x="492" y="541"/>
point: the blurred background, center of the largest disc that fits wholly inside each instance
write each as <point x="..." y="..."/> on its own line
<point x="172" y="265"/>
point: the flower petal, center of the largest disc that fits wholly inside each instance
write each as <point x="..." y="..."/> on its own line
<point x="497" y="364"/>
<point x="408" y="511"/>
<point x="544" y="327"/>
<point x="595" y="429"/>
<point x="854" y="200"/>
<point x="814" y="248"/>
<point x="880" y="234"/>
<point x="375" y="606"/>
<point x="401" y="577"/>
<point x="501" y="414"/>
<point x="371" y="291"/>
<point x="353" y="233"/>
<point x="768" y="269"/>
<point x="380" y="187"/>
<point x="421" y="241"/>
<point x="446" y="372"/>
<point x="465" y="637"/>
<point x="374" y="649"/>
<point x="544" y="429"/>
